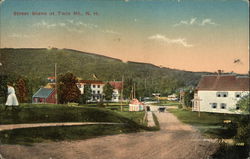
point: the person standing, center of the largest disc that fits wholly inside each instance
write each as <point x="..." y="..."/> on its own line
<point x="11" y="99"/>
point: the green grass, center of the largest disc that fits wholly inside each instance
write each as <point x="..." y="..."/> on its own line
<point x="209" y="124"/>
<point x="58" y="113"/>
<point x="28" y="113"/>
<point x="47" y="134"/>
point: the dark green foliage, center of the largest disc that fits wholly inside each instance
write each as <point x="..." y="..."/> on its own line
<point x="108" y="91"/>
<point x="87" y="93"/>
<point x="3" y="88"/>
<point x="243" y="130"/>
<point x="188" y="96"/>
<point x="39" y="64"/>
<point x="67" y="88"/>
<point x="226" y="151"/>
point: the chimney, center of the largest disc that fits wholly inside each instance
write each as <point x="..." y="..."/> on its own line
<point x="219" y="72"/>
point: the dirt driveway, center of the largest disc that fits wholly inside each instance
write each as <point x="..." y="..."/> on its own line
<point x="175" y="140"/>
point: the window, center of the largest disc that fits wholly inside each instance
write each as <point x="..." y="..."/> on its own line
<point x="222" y="94"/>
<point x="218" y="94"/>
<point x="98" y="92"/>
<point x="98" y="86"/>
<point x="214" y="105"/>
<point x="223" y="105"/>
<point x="93" y="86"/>
<point x="93" y="92"/>
<point x="237" y="94"/>
<point x="237" y="106"/>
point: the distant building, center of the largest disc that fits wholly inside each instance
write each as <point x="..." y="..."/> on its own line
<point x="172" y="97"/>
<point x="136" y="105"/>
<point x="117" y="87"/>
<point x="44" y="95"/>
<point x="220" y="93"/>
<point x="96" y="87"/>
<point x="51" y="79"/>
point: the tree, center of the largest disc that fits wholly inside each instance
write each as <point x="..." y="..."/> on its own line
<point x="188" y="96"/>
<point x="108" y="91"/>
<point x="67" y="88"/>
<point x="87" y="93"/>
<point x="244" y="122"/>
<point x="22" y="90"/>
<point x="3" y="88"/>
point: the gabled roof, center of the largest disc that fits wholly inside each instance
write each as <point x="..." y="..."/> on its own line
<point x="91" y="82"/>
<point x="116" y="84"/>
<point x="224" y="83"/>
<point x="43" y="92"/>
<point x="135" y="102"/>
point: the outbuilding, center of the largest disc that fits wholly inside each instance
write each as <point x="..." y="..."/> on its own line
<point x="44" y="95"/>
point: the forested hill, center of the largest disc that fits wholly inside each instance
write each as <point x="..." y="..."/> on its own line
<point x="39" y="64"/>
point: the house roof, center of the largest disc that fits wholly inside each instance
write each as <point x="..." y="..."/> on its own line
<point x="116" y="84"/>
<point x="43" y="92"/>
<point x="136" y="102"/>
<point x="51" y="78"/>
<point x="224" y="83"/>
<point x="91" y="82"/>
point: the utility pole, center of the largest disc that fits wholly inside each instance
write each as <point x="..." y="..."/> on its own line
<point x="56" y="83"/>
<point x="122" y="92"/>
<point x="134" y="90"/>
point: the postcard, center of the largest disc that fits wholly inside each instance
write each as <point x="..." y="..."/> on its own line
<point x="124" y="79"/>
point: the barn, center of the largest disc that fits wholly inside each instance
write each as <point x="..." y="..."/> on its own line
<point x="44" y="95"/>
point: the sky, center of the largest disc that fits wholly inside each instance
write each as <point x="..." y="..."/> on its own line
<point x="193" y="35"/>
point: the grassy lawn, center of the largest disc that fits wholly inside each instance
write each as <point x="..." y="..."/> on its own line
<point x="29" y="136"/>
<point x="58" y="113"/>
<point x="209" y="124"/>
<point x="132" y="122"/>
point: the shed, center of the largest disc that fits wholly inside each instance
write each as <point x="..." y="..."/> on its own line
<point x="44" y="95"/>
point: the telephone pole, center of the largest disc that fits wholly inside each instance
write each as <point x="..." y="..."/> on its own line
<point x="122" y="92"/>
<point x="56" y="83"/>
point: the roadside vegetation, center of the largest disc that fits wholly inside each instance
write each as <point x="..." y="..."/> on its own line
<point x="234" y="127"/>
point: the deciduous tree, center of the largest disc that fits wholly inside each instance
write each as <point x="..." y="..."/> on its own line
<point x="67" y="88"/>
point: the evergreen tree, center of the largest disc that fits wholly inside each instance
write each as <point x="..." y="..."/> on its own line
<point x="87" y="93"/>
<point x="3" y="88"/>
<point x="108" y="91"/>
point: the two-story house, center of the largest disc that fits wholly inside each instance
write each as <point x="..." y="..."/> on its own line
<point x="96" y="88"/>
<point x="220" y="93"/>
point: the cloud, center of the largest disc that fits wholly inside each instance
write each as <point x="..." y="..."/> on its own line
<point x="194" y="21"/>
<point x="86" y="25"/>
<point x="69" y="25"/>
<point x="164" y="39"/>
<point x="207" y="21"/>
<point x="16" y="35"/>
<point x="111" y="32"/>
<point x="44" y="24"/>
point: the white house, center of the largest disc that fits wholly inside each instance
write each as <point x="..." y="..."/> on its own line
<point x="117" y="87"/>
<point x="96" y="88"/>
<point x="220" y="93"/>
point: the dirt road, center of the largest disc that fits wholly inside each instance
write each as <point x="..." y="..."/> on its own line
<point x="175" y="140"/>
